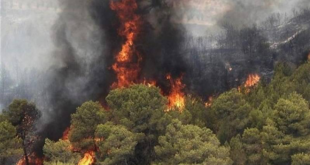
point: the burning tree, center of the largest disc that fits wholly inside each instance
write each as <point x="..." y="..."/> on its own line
<point x="23" y="115"/>
<point x="59" y="152"/>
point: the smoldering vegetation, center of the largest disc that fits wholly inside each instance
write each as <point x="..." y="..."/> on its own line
<point x="251" y="39"/>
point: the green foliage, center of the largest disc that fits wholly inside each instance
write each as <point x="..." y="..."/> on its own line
<point x="292" y="115"/>
<point x="184" y="116"/>
<point x="22" y="114"/>
<point x="279" y="125"/>
<point x="84" y="123"/>
<point x="301" y="159"/>
<point x="252" y="146"/>
<point x="288" y="132"/>
<point x="59" y="153"/>
<point x="197" y="111"/>
<point x="189" y="144"/>
<point x="301" y="81"/>
<point x="10" y="144"/>
<point x="285" y="134"/>
<point x="116" y="144"/>
<point x="237" y="153"/>
<point x="3" y="118"/>
<point x="232" y="108"/>
<point x="269" y="125"/>
<point x="139" y="108"/>
<point x="15" y="111"/>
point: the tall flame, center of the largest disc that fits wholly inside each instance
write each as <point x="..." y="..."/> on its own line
<point x="176" y="97"/>
<point x="88" y="158"/>
<point x="252" y="80"/>
<point x="127" y="62"/>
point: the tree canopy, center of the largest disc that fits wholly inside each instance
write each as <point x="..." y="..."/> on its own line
<point x="116" y="144"/>
<point x="10" y="144"/>
<point x="190" y="144"/>
<point x="84" y="123"/>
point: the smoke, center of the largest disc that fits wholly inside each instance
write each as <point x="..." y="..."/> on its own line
<point x="206" y="17"/>
<point x="80" y="70"/>
<point x="86" y="41"/>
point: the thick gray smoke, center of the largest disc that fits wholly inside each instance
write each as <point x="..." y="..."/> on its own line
<point x="79" y="69"/>
<point x="86" y="40"/>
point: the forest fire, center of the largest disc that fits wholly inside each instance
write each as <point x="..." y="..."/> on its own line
<point x="176" y="97"/>
<point x="252" y="80"/>
<point x="127" y="62"/>
<point x="137" y="81"/>
<point x="88" y="158"/>
<point x="128" y="59"/>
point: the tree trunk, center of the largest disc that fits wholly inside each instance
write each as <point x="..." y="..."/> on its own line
<point x="25" y="151"/>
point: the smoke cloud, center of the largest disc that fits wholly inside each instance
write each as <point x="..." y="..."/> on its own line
<point x="86" y="41"/>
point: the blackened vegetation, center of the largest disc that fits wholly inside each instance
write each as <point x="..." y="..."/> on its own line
<point x="242" y="51"/>
<point x="296" y="49"/>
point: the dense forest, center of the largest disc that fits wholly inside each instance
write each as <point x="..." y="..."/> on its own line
<point x="264" y="124"/>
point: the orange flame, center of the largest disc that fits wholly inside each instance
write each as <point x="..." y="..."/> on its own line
<point x="150" y="83"/>
<point x="209" y="102"/>
<point x="88" y="158"/>
<point x="33" y="159"/>
<point x="127" y="62"/>
<point x="176" y="97"/>
<point x="65" y="134"/>
<point x="252" y="80"/>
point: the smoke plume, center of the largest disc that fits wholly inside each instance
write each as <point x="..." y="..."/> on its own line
<point x="86" y="40"/>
